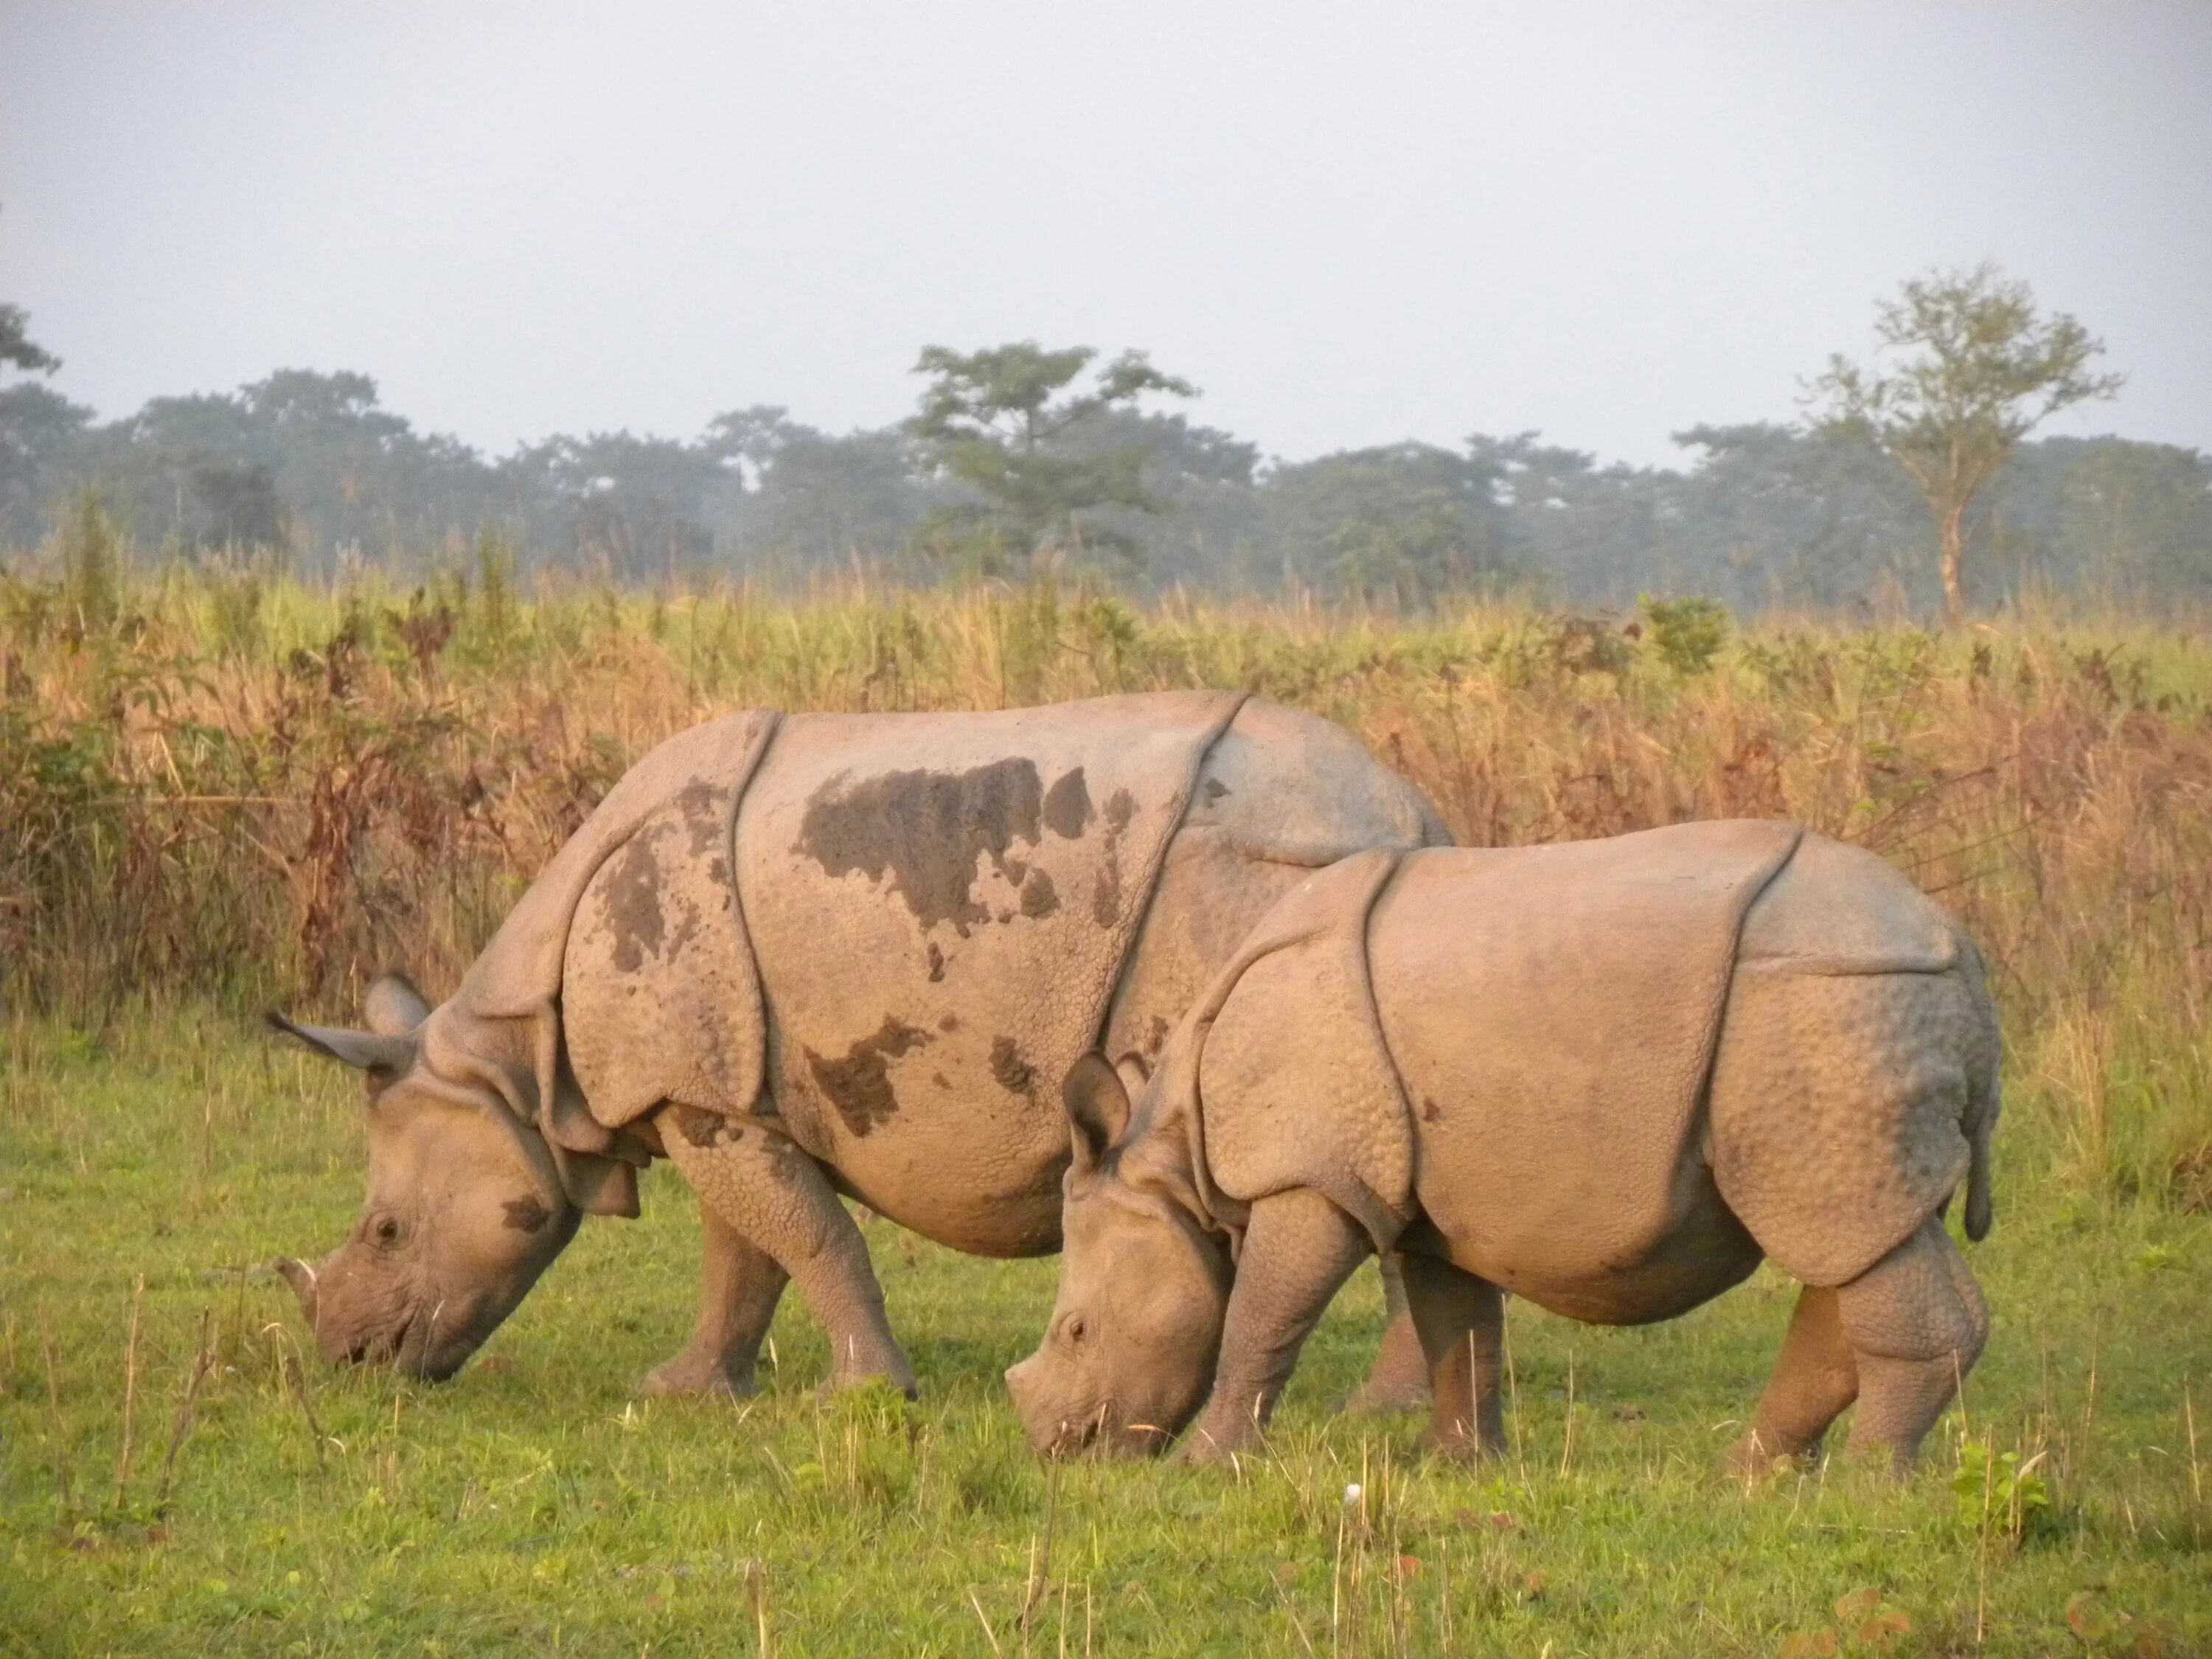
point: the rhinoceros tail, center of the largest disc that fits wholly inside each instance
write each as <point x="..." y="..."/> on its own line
<point x="1983" y="1097"/>
<point x="1981" y="1209"/>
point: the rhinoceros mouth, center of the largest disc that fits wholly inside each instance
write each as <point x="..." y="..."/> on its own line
<point x="417" y="1346"/>
<point x="384" y="1347"/>
<point x="1101" y="1434"/>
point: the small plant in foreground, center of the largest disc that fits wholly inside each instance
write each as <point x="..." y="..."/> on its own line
<point x="1999" y="1495"/>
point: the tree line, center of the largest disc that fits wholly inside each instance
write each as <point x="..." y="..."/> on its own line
<point x="1913" y="483"/>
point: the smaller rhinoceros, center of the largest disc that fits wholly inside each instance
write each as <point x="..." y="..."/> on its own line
<point x="1607" y="1076"/>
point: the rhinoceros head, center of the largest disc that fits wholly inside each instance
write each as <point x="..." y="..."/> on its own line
<point x="465" y="1208"/>
<point x="1144" y="1287"/>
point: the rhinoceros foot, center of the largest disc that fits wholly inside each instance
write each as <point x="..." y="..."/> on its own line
<point x="696" y="1374"/>
<point x="1400" y="1381"/>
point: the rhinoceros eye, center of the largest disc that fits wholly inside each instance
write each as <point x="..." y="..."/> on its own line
<point x="1073" y="1328"/>
<point x="385" y="1229"/>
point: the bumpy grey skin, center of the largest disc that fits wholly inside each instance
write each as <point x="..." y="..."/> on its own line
<point x="1607" y="1076"/>
<point x="819" y="956"/>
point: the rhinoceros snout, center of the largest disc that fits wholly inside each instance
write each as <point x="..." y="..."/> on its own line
<point x="1023" y="1385"/>
<point x="1051" y="1430"/>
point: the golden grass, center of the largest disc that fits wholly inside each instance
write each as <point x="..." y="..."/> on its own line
<point x="212" y="782"/>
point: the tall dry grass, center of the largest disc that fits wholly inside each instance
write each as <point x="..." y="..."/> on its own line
<point x="213" y="782"/>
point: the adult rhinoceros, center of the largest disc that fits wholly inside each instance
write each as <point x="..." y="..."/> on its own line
<point x="807" y="955"/>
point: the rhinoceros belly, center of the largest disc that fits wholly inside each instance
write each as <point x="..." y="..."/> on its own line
<point x="975" y="1168"/>
<point x="1704" y="1252"/>
<point x="1551" y="1012"/>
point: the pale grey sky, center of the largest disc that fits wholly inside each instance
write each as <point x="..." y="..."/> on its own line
<point x="1348" y="224"/>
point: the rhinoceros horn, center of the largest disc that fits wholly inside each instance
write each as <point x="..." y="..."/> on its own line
<point x="301" y="1277"/>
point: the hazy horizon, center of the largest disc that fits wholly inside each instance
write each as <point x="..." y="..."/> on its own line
<point x="1585" y="221"/>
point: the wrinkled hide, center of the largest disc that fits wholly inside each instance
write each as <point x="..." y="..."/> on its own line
<point x="941" y="906"/>
<point x="885" y="935"/>
<point x="1607" y="1076"/>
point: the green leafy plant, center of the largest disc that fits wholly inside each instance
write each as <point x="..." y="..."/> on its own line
<point x="1687" y="633"/>
<point x="92" y="560"/>
<point x="2000" y="1494"/>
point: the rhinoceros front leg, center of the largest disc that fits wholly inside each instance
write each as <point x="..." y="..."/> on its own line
<point x="1460" y="1320"/>
<point x="739" y="1286"/>
<point x="1299" y="1248"/>
<point x="770" y="1191"/>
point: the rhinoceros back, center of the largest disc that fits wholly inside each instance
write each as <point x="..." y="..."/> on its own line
<point x="923" y="919"/>
<point x="940" y="906"/>
<point x="1282" y="794"/>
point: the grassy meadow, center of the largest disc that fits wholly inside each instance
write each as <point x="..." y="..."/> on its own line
<point x="220" y="790"/>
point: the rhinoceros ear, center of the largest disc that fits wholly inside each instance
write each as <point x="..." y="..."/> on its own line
<point x="392" y="1007"/>
<point x="596" y="1185"/>
<point x="380" y="1054"/>
<point x="1097" y="1107"/>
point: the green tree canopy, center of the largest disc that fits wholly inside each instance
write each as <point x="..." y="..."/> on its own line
<point x="17" y="349"/>
<point x="1007" y="421"/>
<point x="1972" y="368"/>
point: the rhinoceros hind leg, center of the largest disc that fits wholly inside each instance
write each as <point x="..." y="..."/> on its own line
<point x="1461" y="1320"/>
<point x="739" y="1287"/>
<point x="1917" y="1322"/>
<point x="1815" y="1380"/>
<point x="767" y="1187"/>
<point x="1400" y="1381"/>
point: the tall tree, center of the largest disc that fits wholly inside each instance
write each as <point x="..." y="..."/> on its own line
<point x="1007" y="423"/>
<point x="17" y="350"/>
<point x="1973" y="368"/>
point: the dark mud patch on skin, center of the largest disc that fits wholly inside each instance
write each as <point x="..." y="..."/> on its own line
<point x="701" y="804"/>
<point x="1431" y="1112"/>
<point x="788" y="1160"/>
<point x="527" y="1214"/>
<point x="859" y="1084"/>
<point x="647" y="914"/>
<point x="948" y="1022"/>
<point x="632" y="900"/>
<point x="1157" y="1038"/>
<point x="925" y="830"/>
<point x="1215" y="789"/>
<point x="1106" y="889"/>
<point x="1039" y="897"/>
<point x="936" y="964"/>
<point x="1067" y="810"/>
<point x="704" y="1129"/>
<point x="1014" y="1074"/>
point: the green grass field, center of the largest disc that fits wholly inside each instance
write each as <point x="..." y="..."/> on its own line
<point x="531" y="1505"/>
<point x="218" y="790"/>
